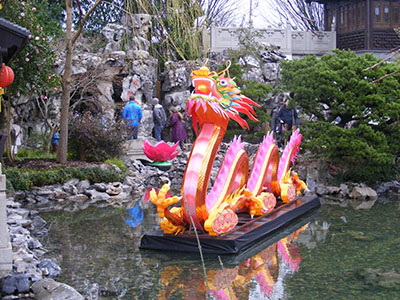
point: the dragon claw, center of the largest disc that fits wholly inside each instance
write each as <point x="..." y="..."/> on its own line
<point x="160" y="201"/>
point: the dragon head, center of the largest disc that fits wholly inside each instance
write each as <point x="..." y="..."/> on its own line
<point x="217" y="98"/>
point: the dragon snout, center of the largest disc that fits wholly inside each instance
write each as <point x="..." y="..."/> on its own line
<point x="202" y="88"/>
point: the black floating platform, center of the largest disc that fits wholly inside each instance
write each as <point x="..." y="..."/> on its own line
<point x="243" y="236"/>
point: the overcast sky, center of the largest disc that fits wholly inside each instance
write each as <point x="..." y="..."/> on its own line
<point x="262" y="10"/>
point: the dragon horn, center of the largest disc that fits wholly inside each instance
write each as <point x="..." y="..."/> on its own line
<point x="228" y="65"/>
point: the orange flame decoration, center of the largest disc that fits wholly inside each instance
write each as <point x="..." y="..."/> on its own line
<point x="215" y="100"/>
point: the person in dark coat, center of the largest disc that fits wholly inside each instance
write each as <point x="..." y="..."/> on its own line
<point x="159" y="118"/>
<point x="178" y="130"/>
<point x="288" y="117"/>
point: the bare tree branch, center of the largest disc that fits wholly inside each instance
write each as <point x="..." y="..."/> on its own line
<point x="300" y="13"/>
<point x="383" y="77"/>
<point x="381" y="62"/>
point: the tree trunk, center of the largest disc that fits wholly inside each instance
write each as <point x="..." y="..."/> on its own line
<point x="66" y="78"/>
<point x="9" y="113"/>
<point x="65" y="83"/>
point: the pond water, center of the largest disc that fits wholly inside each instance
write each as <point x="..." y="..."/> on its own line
<point x="323" y="256"/>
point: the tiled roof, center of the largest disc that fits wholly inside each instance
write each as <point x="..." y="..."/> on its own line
<point x="19" y="30"/>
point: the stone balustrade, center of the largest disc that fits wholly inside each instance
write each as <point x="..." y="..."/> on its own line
<point x="292" y="43"/>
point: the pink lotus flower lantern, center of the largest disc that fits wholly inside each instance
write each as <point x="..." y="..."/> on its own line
<point x="161" y="151"/>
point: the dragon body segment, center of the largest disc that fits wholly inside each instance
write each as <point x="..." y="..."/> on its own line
<point x="217" y="99"/>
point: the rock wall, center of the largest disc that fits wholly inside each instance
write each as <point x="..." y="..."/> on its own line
<point x="107" y="71"/>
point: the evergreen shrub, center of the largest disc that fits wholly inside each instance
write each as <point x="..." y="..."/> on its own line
<point x="119" y="163"/>
<point x="362" y="153"/>
<point x="26" y="179"/>
<point x="355" y="121"/>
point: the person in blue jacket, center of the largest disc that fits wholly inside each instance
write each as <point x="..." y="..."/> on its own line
<point x="54" y="141"/>
<point x="133" y="113"/>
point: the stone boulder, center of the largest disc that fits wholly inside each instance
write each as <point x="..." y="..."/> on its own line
<point x="363" y="194"/>
<point x="48" y="289"/>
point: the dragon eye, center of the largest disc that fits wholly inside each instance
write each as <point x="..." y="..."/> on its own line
<point x="223" y="82"/>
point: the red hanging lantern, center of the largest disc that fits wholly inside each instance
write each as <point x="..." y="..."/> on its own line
<point x="6" y="76"/>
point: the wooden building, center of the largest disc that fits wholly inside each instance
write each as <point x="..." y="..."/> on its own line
<point x="363" y="25"/>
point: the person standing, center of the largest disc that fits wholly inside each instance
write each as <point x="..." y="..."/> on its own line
<point x="159" y="118"/>
<point x="288" y="117"/>
<point x="54" y="141"/>
<point x="133" y="113"/>
<point x="178" y="130"/>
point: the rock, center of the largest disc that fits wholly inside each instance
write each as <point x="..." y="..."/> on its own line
<point x="60" y="194"/>
<point x="48" y="289"/>
<point x="70" y="186"/>
<point x="376" y="278"/>
<point x="45" y="193"/>
<point x="19" y="283"/>
<point x="34" y="244"/>
<point x="344" y="190"/>
<point x="83" y="185"/>
<point x="19" y="195"/>
<point x="321" y="190"/>
<point x="42" y="200"/>
<point x="38" y="222"/>
<point x="177" y="75"/>
<point x="77" y="198"/>
<point x="96" y="196"/>
<point x="363" y="193"/>
<point x="333" y="190"/>
<point x="117" y="200"/>
<point x="363" y="204"/>
<point x="100" y="187"/>
<point x="49" y="268"/>
<point x="12" y="204"/>
<point x="114" y="188"/>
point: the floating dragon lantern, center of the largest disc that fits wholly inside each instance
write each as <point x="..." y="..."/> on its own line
<point x="216" y="99"/>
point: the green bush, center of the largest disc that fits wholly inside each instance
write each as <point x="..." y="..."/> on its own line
<point x="95" y="139"/>
<point x="362" y="153"/>
<point x="119" y="163"/>
<point x="336" y="87"/>
<point x="18" y="180"/>
<point x="26" y="179"/>
<point x="34" y="154"/>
